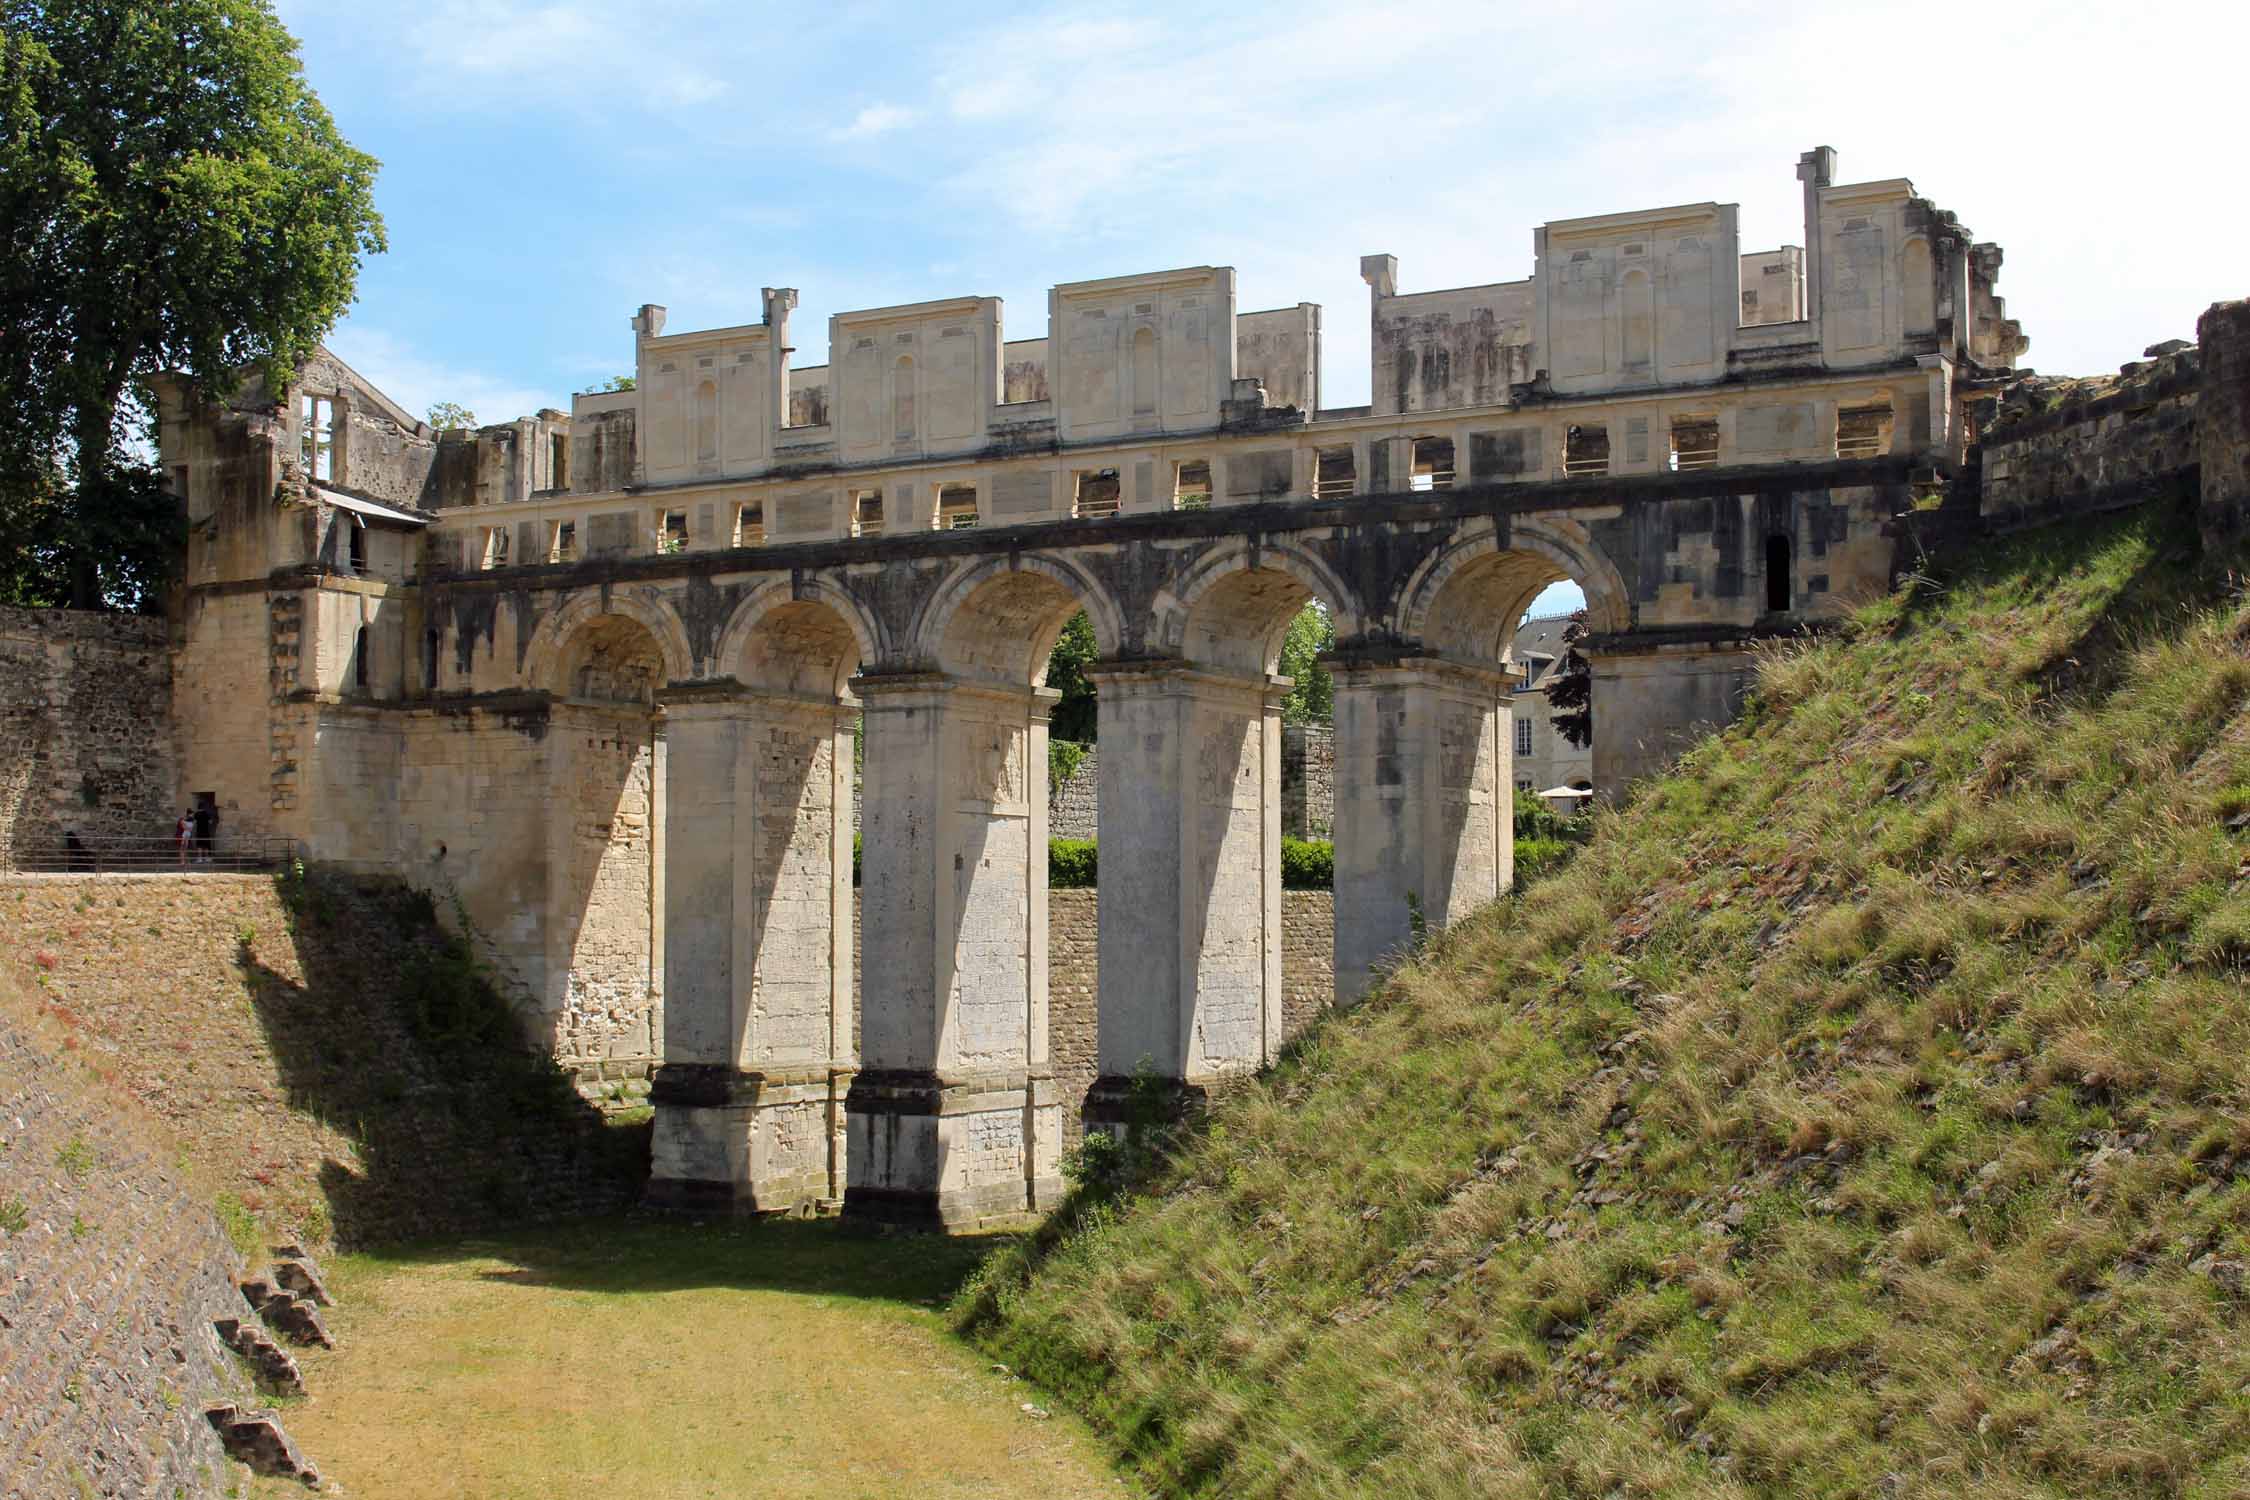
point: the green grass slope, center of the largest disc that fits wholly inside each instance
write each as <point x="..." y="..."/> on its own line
<point x="1861" y="1113"/>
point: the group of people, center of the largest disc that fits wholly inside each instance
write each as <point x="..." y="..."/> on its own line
<point x="197" y="829"/>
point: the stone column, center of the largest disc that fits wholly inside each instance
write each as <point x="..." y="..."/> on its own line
<point x="1651" y="703"/>
<point x="2222" y="421"/>
<point x="1190" y="894"/>
<point x="602" y="966"/>
<point x="954" y="1119"/>
<point x="757" y="1045"/>
<point x="1425" y="831"/>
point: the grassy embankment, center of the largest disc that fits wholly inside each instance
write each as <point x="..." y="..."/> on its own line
<point x="1861" y="1113"/>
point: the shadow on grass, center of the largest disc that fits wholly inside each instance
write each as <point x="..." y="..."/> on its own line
<point x="633" y="1254"/>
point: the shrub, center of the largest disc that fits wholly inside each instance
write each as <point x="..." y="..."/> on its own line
<point x="1072" y="864"/>
<point x="1308" y="865"/>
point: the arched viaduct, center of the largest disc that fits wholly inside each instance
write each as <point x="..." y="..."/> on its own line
<point x="724" y="687"/>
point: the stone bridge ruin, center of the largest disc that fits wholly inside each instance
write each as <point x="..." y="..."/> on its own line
<point x="598" y="675"/>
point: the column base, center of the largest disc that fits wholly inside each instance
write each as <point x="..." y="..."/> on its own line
<point x="1119" y="1104"/>
<point x="935" y="1153"/>
<point x="728" y="1142"/>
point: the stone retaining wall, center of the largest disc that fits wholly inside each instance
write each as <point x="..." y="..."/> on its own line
<point x="85" y="728"/>
<point x="1308" y="788"/>
<point x="115" y="1268"/>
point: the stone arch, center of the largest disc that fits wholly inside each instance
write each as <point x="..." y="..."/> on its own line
<point x="1234" y="606"/>
<point x="1465" y="601"/>
<point x="804" y="638"/>
<point x="999" y="618"/>
<point x="557" y="647"/>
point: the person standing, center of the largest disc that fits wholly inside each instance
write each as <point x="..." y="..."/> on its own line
<point x="206" y="830"/>
<point x="181" y="833"/>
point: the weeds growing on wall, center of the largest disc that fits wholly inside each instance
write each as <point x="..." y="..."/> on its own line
<point x="1860" y="1112"/>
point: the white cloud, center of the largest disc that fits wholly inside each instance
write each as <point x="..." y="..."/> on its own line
<point x="417" y="382"/>
<point x="876" y="119"/>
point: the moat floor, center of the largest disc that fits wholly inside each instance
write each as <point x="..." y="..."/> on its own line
<point x="668" y="1360"/>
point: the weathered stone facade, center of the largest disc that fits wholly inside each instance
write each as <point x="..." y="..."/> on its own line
<point x="594" y="675"/>
<point x="84" y="703"/>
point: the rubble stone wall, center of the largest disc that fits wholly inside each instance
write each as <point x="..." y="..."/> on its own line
<point x="85" y="728"/>
<point x="2135" y="440"/>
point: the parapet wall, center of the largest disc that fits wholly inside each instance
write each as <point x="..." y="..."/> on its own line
<point x="2064" y="447"/>
<point x="85" y="728"/>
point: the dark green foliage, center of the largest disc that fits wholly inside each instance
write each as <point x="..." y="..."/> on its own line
<point x="1571" y="694"/>
<point x="1071" y="864"/>
<point x="1074" y="716"/>
<point x="172" y="197"/>
<point x="1307" y="864"/>
<point x="1312" y="696"/>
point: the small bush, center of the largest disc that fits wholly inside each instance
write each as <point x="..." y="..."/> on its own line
<point x="1308" y="865"/>
<point x="1072" y="864"/>
<point x="15" y="1216"/>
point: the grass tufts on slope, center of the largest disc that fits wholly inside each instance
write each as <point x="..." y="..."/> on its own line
<point x="1862" y="1113"/>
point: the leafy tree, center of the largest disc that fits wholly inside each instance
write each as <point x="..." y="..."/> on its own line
<point x="172" y="197"/>
<point x="1075" y="713"/>
<point x="614" y="383"/>
<point x="451" y="416"/>
<point x="1570" y="693"/>
<point x="1313" y="699"/>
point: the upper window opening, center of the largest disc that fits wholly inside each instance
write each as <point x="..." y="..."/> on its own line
<point x="1433" y="464"/>
<point x="566" y="541"/>
<point x="316" y="429"/>
<point x="672" y="533"/>
<point x="1695" y="443"/>
<point x="1098" y="494"/>
<point x="749" y="525"/>
<point x="1335" y="474"/>
<point x="1191" y="485"/>
<point x="867" y="512"/>
<point x="558" y="462"/>
<point x="957" y="508"/>
<point x="1863" y="431"/>
<point x="1586" y="451"/>
<point x="496" y="547"/>
<point x="356" y="547"/>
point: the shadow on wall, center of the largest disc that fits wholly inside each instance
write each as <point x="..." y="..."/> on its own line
<point x="397" y="1039"/>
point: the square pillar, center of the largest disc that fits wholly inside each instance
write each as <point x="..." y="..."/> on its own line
<point x="1425" y="827"/>
<point x="757" y="1043"/>
<point x="1190" y="892"/>
<point x="954" y="1119"/>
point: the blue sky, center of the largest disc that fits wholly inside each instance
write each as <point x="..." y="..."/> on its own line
<point x="549" y="167"/>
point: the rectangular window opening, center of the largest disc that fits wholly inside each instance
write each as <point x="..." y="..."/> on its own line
<point x="558" y="462"/>
<point x="1523" y="736"/>
<point x="1433" y="464"/>
<point x="750" y="526"/>
<point x="1863" y="431"/>
<point x="867" y="512"/>
<point x="496" y="547"/>
<point x="356" y="548"/>
<point x="1780" y="559"/>
<point x="1097" y="495"/>
<point x="671" y="535"/>
<point x="1335" y="474"/>
<point x="1585" y="451"/>
<point x="316" y="435"/>
<point x="1191" y="485"/>
<point x="565" y="548"/>
<point x="957" y="507"/>
<point x="1695" y="443"/>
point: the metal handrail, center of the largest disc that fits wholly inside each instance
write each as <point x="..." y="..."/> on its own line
<point x="109" y="853"/>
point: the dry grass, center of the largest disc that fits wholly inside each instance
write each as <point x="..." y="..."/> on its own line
<point x="1861" y="1114"/>
<point x="661" y="1360"/>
